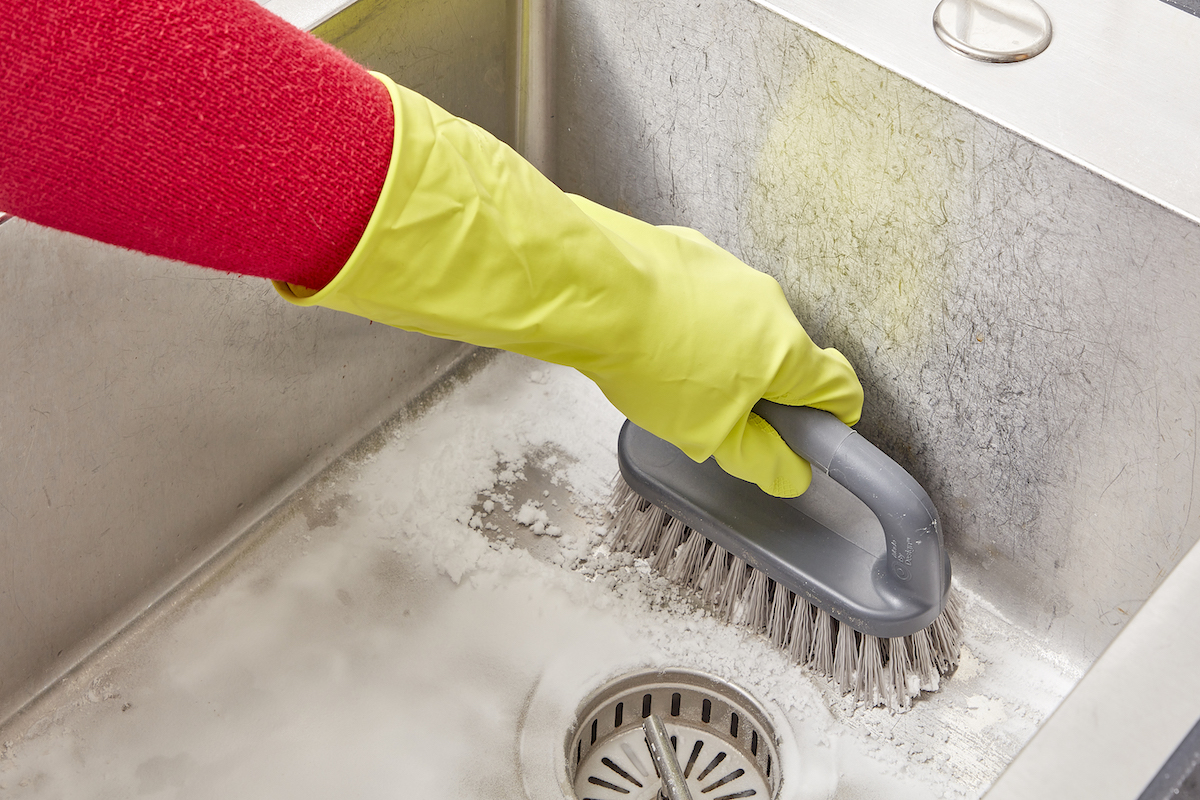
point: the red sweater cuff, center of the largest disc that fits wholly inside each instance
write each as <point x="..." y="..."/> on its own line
<point x="208" y="131"/>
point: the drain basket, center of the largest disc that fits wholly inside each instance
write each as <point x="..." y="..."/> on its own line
<point x="723" y="739"/>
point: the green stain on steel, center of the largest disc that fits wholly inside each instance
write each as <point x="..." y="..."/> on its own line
<point x="854" y="197"/>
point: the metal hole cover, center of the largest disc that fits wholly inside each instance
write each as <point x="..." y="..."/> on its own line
<point x="722" y="738"/>
<point x="997" y="31"/>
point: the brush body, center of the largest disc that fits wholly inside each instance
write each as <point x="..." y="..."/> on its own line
<point x="883" y="625"/>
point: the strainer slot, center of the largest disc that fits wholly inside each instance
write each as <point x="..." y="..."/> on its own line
<point x="615" y="767"/>
<point x="687" y="771"/>
<point x="716" y="762"/>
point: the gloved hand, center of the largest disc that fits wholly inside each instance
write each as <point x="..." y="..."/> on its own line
<point x="468" y="241"/>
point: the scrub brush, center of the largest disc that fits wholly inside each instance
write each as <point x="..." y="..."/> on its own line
<point x="883" y="628"/>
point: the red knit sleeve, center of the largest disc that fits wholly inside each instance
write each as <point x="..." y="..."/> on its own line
<point x="208" y="131"/>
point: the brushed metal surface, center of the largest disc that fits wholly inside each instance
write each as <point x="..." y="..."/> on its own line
<point x="536" y="21"/>
<point x="462" y="54"/>
<point x="1116" y="91"/>
<point x="1025" y="328"/>
<point x="332" y="654"/>
<point x="1115" y="730"/>
<point x="152" y="411"/>
<point x="306" y="14"/>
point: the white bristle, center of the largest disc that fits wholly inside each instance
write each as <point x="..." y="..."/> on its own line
<point x="687" y="566"/>
<point x="887" y="673"/>
<point x="622" y="498"/>
<point x="923" y="664"/>
<point x="870" y="677"/>
<point x="947" y="633"/>
<point x="845" y="659"/>
<point x="780" y="620"/>
<point x="731" y="591"/>
<point x="639" y="528"/>
<point x="712" y="579"/>
<point x="821" y="657"/>
<point x="672" y="536"/>
<point x="896" y="684"/>
<point x="800" y="635"/>
<point x="656" y="520"/>
<point x="754" y="607"/>
<point x="625" y="513"/>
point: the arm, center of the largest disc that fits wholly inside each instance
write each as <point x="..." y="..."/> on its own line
<point x="216" y="134"/>
<point x="205" y="131"/>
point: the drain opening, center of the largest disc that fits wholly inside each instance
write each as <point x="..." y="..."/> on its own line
<point x="722" y="738"/>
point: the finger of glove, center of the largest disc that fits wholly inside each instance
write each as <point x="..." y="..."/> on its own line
<point x="821" y="378"/>
<point x="754" y="451"/>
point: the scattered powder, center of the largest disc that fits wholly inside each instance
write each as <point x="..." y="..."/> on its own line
<point x="534" y="517"/>
<point x="968" y="665"/>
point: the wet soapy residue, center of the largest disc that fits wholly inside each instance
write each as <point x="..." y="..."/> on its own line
<point x="390" y="648"/>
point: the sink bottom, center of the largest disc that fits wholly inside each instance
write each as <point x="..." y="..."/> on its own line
<point x="442" y="598"/>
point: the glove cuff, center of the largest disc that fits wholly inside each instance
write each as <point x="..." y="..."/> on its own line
<point x="303" y="296"/>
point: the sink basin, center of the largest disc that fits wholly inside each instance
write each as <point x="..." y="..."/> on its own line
<point x="1014" y="283"/>
<point x="425" y="618"/>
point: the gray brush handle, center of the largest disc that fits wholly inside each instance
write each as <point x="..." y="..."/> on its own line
<point x="907" y="515"/>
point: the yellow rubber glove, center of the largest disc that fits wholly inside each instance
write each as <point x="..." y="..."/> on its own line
<point x="470" y="242"/>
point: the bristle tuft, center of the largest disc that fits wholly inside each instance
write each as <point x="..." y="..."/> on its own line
<point x="888" y="673"/>
<point x="947" y="634"/>
<point x="754" y="607"/>
<point x="672" y="537"/>
<point x="924" y="666"/>
<point x="638" y="526"/>
<point x="800" y="633"/>
<point x="780" y="622"/>
<point x="845" y="659"/>
<point x="821" y="654"/>
<point x="895" y="686"/>
<point x="687" y="565"/>
<point x="869" y="681"/>
<point x="731" y="591"/>
<point x="712" y="577"/>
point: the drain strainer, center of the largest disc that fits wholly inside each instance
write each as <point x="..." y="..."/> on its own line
<point x="722" y="739"/>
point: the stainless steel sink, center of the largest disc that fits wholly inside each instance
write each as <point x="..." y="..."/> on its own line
<point x="216" y="585"/>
